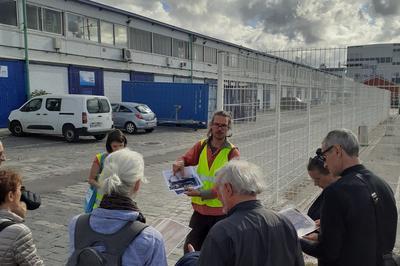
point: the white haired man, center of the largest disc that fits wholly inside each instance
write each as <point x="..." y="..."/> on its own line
<point x="251" y="235"/>
<point x="359" y="215"/>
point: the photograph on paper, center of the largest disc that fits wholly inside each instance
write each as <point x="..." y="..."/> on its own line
<point x="180" y="182"/>
<point x="301" y="222"/>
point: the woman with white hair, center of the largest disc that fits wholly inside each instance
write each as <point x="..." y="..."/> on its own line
<point x="120" y="181"/>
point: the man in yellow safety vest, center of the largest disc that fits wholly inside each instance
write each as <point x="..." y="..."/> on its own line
<point x="209" y="155"/>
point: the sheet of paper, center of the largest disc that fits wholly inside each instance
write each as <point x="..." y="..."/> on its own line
<point x="180" y="182"/>
<point x="301" y="222"/>
<point x="172" y="231"/>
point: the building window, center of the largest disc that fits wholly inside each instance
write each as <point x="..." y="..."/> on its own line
<point x="210" y="55"/>
<point x="121" y="35"/>
<point x="52" y="21"/>
<point x="107" y="32"/>
<point x="198" y="52"/>
<point x="8" y="12"/>
<point x="75" y="26"/>
<point x="140" y="40"/>
<point x="91" y="29"/>
<point x="180" y="49"/>
<point x="34" y="17"/>
<point x="162" y="44"/>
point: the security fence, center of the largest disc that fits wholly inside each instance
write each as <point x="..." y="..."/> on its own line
<point x="284" y="104"/>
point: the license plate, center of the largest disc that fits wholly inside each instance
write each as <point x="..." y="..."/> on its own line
<point x="152" y="124"/>
<point x="96" y="124"/>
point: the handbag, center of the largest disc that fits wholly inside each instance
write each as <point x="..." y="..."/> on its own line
<point x="90" y="199"/>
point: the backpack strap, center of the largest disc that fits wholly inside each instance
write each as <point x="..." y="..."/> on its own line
<point x="5" y="224"/>
<point x="115" y="243"/>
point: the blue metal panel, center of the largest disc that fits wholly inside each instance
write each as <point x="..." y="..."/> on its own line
<point x="163" y="98"/>
<point x="83" y="80"/>
<point x="12" y="88"/>
<point x="142" y="76"/>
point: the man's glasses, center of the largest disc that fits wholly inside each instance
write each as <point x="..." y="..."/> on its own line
<point x="217" y="125"/>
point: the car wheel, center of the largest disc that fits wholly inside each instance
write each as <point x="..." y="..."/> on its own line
<point x="130" y="128"/>
<point x="149" y="130"/>
<point x="16" y="129"/>
<point x="70" y="134"/>
<point x="100" y="137"/>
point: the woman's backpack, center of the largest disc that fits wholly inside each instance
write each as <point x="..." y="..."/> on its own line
<point x="87" y="242"/>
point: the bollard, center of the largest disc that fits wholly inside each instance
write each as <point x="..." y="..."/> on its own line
<point x="363" y="135"/>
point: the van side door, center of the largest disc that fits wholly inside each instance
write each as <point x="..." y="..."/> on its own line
<point x="31" y="115"/>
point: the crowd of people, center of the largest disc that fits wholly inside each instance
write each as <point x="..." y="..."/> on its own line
<point x="355" y="213"/>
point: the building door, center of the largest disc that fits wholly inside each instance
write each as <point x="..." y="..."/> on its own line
<point x="12" y="88"/>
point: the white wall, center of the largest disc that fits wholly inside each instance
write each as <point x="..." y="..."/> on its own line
<point x="52" y="79"/>
<point x="112" y="85"/>
<point x="162" y="78"/>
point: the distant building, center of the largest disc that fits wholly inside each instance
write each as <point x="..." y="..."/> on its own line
<point x="378" y="63"/>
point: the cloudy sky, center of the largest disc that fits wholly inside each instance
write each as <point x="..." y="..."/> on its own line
<point x="278" y="24"/>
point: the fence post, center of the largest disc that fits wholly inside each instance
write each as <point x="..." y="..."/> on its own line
<point x="220" y="86"/>
<point x="309" y="116"/>
<point x="328" y="88"/>
<point x="342" y="124"/>
<point x="278" y="128"/>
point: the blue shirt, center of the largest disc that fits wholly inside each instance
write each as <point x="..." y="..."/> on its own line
<point x="146" y="249"/>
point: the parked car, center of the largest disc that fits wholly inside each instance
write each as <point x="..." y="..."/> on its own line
<point x="133" y="116"/>
<point x="68" y="115"/>
<point x="292" y="103"/>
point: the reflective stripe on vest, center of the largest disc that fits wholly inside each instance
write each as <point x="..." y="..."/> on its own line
<point x="207" y="174"/>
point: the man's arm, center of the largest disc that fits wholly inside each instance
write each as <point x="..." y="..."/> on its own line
<point x="190" y="158"/>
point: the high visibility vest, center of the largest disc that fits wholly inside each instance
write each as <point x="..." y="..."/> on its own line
<point x="99" y="196"/>
<point x="207" y="174"/>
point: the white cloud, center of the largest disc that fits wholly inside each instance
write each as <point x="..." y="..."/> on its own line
<point x="278" y="24"/>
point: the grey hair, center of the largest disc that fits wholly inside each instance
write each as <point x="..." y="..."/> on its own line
<point x="345" y="138"/>
<point x="122" y="169"/>
<point x="245" y="177"/>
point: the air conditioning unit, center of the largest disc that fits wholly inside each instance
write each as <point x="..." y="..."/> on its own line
<point x="56" y="44"/>
<point x="169" y="61"/>
<point x="182" y="64"/>
<point x="127" y="54"/>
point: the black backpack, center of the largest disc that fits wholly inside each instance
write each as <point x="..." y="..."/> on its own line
<point x="5" y="224"/>
<point x="115" y="244"/>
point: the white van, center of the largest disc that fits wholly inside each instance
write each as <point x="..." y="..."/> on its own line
<point x="68" y="115"/>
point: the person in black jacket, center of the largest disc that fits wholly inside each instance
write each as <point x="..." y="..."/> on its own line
<point x="359" y="215"/>
<point x="251" y="235"/>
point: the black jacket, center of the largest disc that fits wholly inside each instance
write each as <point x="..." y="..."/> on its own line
<point x="348" y="234"/>
<point x="315" y="209"/>
<point x="252" y="236"/>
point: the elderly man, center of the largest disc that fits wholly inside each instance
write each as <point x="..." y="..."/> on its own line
<point x="251" y="235"/>
<point x="359" y="215"/>
<point x="2" y="154"/>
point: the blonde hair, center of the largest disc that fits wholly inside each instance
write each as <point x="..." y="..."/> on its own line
<point x="122" y="169"/>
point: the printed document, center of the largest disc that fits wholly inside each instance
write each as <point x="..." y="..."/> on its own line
<point x="301" y="222"/>
<point x="181" y="181"/>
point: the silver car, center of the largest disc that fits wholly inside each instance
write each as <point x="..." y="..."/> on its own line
<point x="133" y="116"/>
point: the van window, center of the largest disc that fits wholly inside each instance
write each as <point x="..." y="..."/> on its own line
<point x="97" y="106"/>
<point x="32" y="105"/>
<point x="53" y="104"/>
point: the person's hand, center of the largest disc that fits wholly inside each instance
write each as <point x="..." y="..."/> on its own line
<point x="317" y="223"/>
<point x="311" y="237"/>
<point x="191" y="248"/>
<point x="178" y="166"/>
<point x="20" y="209"/>
<point x="191" y="192"/>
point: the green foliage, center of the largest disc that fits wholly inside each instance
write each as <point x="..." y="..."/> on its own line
<point x="38" y="93"/>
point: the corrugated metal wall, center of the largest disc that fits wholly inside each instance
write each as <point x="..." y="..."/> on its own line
<point x="12" y="88"/>
<point x="163" y="98"/>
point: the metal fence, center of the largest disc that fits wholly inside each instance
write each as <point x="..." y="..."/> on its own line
<point x="285" y="104"/>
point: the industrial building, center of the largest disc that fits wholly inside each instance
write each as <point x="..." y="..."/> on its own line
<point x="376" y="65"/>
<point x="84" y="47"/>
